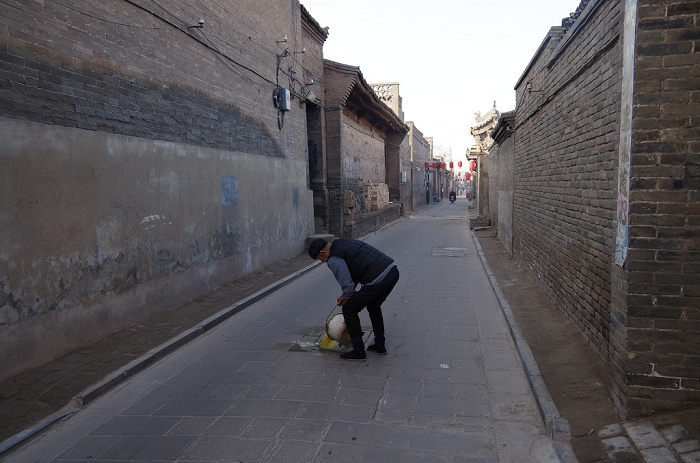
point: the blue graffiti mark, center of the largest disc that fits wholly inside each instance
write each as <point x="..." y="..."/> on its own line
<point x="295" y="198"/>
<point x="229" y="191"/>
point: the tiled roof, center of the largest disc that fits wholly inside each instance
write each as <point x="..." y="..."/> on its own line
<point x="313" y="24"/>
<point x="345" y="86"/>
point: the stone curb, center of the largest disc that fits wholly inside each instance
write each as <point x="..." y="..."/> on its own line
<point x="127" y="371"/>
<point x="557" y="426"/>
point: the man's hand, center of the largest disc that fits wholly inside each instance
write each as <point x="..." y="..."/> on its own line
<point x="341" y="301"/>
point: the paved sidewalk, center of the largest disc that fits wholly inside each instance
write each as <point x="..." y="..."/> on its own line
<point x="576" y="377"/>
<point x="41" y="396"/>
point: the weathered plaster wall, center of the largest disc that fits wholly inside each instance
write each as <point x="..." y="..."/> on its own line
<point x="143" y="162"/>
<point x="362" y="154"/>
<point x="100" y="230"/>
<point x="504" y="197"/>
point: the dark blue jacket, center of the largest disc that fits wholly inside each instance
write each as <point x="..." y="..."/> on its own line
<point x="365" y="262"/>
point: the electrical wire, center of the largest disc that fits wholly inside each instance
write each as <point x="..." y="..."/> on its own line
<point x="202" y="42"/>
<point x="106" y="20"/>
<point x="204" y="38"/>
<point x="41" y="17"/>
<point x="233" y="16"/>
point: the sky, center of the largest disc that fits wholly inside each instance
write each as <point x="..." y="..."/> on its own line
<point x="451" y="58"/>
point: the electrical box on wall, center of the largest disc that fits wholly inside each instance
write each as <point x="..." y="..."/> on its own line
<point x="282" y="99"/>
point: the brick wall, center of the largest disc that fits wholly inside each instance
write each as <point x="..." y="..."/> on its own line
<point x="373" y="221"/>
<point x="610" y="98"/>
<point x="313" y="38"/>
<point x="500" y="192"/>
<point x="493" y="185"/>
<point x="564" y="186"/>
<point x="420" y="153"/>
<point x="363" y="153"/>
<point x="363" y="139"/>
<point x="658" y="287"/>
<point x="115" y="67"/>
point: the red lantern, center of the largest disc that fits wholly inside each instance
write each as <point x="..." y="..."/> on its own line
<point x="468" y="176"/>
<point x="472" y="164"/>
<point x="452" y="164"/>
<point x="427" y="165"/>
<point x="442" y="165"/>
<point x="435" y="164"/>
<point x="459" y="164"/>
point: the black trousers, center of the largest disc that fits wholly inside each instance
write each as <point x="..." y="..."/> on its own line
<point x="371" y="297"/>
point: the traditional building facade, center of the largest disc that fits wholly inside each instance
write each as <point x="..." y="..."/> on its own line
<point x="421" y="152"/>
<point x="481" y="132"/>
<point x="363" y="142"/>
<point x="414" y="150"/>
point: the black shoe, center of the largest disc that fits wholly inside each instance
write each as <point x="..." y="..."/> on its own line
<point x="353" y="355"/>
<point x="381" y="350"/>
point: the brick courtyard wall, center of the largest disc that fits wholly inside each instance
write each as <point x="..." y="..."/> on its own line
<point x="363" y="140"/>
<point x="355" y="157"/>
<point x="405" y="187"/>
<point x="657" y="289"/>
<point x="564" y="186"/>
<point x="420" y="153"/>
<point x="334" y="135"/>
<point x="314" y="36"/>
<point x="363" y="153"/>
<point x="564" y="190"/>
<point x="143" y="162"/>
<point x="501" y="183"/>
<point x="483" y="185"/>
<point x="609" y="99"/>
<point x="373" y="221"/>
<point x="493" y="184"/>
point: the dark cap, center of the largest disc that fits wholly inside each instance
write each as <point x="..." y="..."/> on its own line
<point x="316" y="246"/>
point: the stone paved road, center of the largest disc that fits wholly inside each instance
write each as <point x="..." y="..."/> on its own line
<point x="576" y="382"/>
<point x="452" y="388"/>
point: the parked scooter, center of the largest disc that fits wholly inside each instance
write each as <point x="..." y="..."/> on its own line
<point x="453" y="196"/>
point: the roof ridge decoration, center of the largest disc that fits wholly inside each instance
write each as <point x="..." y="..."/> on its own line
<point x="313" y="25"/>
<point x="571" y="19"/>
<point x="383" y="91"/>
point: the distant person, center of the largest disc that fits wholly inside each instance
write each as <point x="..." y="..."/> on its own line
<point x="352" y="262"/>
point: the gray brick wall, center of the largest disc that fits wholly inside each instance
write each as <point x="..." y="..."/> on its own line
<point x="112" y="67"/>
<point x="640" y="313"/>
<point x="421" y="152"/>
<point x="564" y="182"/>
<point x="363" y="154"/>
<point x="662" y="272"/>
<point x="494" y="182"/>
<point x="373" y="221"/>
